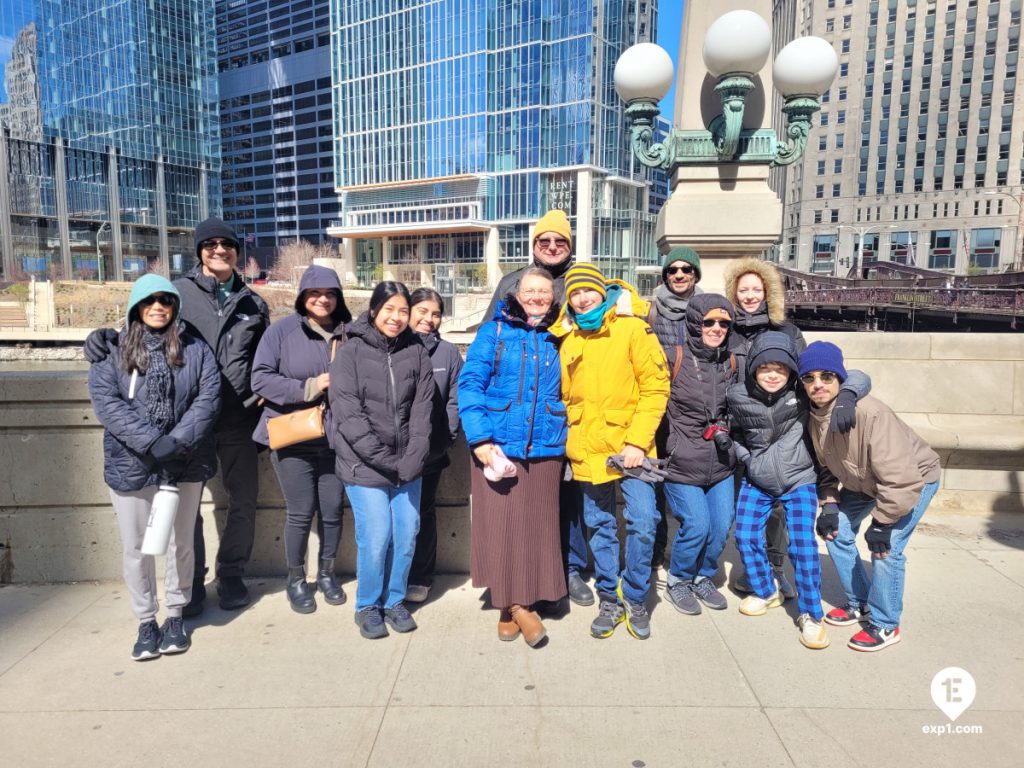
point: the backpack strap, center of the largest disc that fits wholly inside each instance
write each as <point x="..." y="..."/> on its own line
<point x="678" y="362"/>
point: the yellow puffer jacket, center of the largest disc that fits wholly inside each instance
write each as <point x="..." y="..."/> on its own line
<point x="615" y="385"/>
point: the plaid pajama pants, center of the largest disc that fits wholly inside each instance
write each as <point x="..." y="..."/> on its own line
<point x="752" y="511"/>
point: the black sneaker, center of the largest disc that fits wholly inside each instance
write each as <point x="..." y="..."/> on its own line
<point x="399" y="618"/>
<point x="638" y="621"/>
<point x="872" y="638"/>
<point x="609" y="615"/>
<point x="174" y="638"/>
<point x="232" y="592"/>
<point x="148" y="644"/>
<point x="371" y="623"/>
<point x="707" y="594"/>
<point x="196" y="604"/>
<point x="579" y="592"/>
<point x="682" y="598"/>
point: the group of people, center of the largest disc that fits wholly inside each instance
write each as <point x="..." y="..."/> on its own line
<point x="707" y="407"/>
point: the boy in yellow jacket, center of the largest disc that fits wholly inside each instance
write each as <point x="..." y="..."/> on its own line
<point x="615" y="386"/>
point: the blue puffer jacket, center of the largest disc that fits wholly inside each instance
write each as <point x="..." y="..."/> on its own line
<point x="128" y="434"/>
<point x="510" y="386"/>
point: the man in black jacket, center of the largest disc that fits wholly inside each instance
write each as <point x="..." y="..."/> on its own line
<point x="217" y="307"/>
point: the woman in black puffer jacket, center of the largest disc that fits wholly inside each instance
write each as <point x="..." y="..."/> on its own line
<point x="382" y="385"/>
<point x="156" y="394"/>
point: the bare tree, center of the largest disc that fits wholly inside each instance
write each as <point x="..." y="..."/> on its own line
<point x="294" y="257"/>
<point x="252" y="269"/>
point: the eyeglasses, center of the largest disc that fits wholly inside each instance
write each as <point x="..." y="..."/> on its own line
<point x="826" y="377"/>
<point x="227" y="245"/>
<point x="540" y="293"/>
<point x="711" y="323"/>
<point x="686" y="270"/>
<point x="559" y="242"/>
<point x="163" y="299"/>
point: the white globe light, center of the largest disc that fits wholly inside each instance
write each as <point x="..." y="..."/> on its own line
<point x="805" y="67"/>
<point x="738" y="41"/>
<point x="643" y="71"/>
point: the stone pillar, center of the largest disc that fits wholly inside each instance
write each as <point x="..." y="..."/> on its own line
<point x="385" y="246"/>
<point x="727" y="210"/>
<point x="114" y="208"/>
<point x="161" y="216"/>
<point x="492" y="258"/>
<point x="60" y="185"/>
<point x="347" y="258"/>
<point x="583" y="244"/>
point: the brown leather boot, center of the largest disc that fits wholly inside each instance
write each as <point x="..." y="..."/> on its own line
<point x="507" y="628"/>
<point x="529" y="623"/>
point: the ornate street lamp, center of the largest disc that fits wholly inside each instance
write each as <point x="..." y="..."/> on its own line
<point x="736" y="47"/>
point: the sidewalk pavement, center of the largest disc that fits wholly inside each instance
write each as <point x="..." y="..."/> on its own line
<point x="268" y="687"/>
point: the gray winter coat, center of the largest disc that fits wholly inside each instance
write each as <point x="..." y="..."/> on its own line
<point x="128" y="434"/>
<point x="380" y="398"/>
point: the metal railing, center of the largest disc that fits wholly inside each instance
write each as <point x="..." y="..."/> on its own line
<point x="990" y="300"/>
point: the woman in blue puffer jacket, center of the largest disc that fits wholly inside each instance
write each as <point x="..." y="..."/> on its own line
<point x="157" y="396"/>
<point x="514" y="421"/>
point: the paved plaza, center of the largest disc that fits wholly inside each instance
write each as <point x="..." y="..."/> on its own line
<point x="268" y="687"/>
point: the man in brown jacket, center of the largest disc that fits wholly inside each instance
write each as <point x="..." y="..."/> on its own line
<point x="880" y="471"/>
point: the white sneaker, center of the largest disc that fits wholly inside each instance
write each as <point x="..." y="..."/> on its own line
<point x="752" y="605"/>
<point x="812" y="633"/>
<point x="416" y="593"/>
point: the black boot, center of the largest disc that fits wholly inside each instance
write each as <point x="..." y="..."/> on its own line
<point x="328" y="585"/>
<point x="300" y="593"/>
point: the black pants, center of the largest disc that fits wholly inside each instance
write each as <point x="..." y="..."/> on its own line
<point x="238" y="459"/>
<point x="424" y="561"/>
<point x="310" y="486"/>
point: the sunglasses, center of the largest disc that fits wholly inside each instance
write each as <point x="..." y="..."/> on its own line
<point x="687" y="270"/>
<point x="163" y="299"/>
<point x="547" y="243"/>
<point x="827" y="377"/>
<point x="711" y="323"/>
<point x="227" y="245"/>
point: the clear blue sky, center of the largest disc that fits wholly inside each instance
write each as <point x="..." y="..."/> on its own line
<point x="670" y="21"/>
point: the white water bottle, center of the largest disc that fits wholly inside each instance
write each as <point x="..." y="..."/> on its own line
<point x="161" y="520"/>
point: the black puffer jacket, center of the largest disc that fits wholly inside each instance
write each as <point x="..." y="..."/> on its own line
<point x="507" y="285"/>
<point x="745" y="336"/>
<point x="128" y="433"/>
<point x="697" y="398"/>
<point x="380" y="397"/>
<point x="233" y="333"/>
<point x="444" y="415"/>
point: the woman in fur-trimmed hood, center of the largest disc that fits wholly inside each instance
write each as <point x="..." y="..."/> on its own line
<point x="755" y="288"/>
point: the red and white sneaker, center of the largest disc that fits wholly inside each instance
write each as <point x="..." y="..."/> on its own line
<point x="873" y="638"/>
<point x="847" y="615"/>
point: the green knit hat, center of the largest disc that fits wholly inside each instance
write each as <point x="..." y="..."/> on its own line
<point x="682" y="253"/>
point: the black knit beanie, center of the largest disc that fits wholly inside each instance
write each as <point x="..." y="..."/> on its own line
<point x="214" y="227"/>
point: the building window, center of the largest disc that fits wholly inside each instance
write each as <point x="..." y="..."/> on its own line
<point x="821" y="167"/>
<point x="942" y="249"/>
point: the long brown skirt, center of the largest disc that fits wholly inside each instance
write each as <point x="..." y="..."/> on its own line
<point x="516" y="548"/>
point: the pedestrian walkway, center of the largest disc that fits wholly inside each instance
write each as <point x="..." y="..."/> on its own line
<point x="267" y="687"/>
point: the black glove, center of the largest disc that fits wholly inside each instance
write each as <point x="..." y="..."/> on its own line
<point x="168" y="448"/>
<point x="844" y="413"/>
<point x="722" y="441"/>
<point x="171" y="471"/>
<point x="828" y="520"/>
<point x="98" y="343"/>
<point x="879" y="537"/>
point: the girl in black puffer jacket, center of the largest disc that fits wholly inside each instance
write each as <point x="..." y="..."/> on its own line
<point x="157" y="395"/>
<point x="382" y="385"/>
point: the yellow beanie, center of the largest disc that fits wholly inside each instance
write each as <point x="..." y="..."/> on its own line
<point x="553" y="221"/>
<point x="585" y="275"/>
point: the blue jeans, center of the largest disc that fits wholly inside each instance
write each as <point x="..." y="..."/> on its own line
<point x="705" y="517"/>
<point x="641" y="520"/>
<point x="884" y="591"/>
<point x="387" y="521"/>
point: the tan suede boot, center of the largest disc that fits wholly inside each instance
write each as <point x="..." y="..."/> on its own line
<point x="529" y="623"/>
<point x="507" y="628"/>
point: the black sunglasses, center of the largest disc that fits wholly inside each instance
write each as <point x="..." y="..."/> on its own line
<point x="712" y="322"/>
<point x="210" y="245"/>
<point x="827" y="377"/>
<point x="686" y="270"/>
<point x="163" y="299"/>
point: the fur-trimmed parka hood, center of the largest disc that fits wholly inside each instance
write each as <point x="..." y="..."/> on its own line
<point x="774" y="294"/>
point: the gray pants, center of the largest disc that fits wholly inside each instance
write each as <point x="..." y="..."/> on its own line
<point x="132" y="511"/>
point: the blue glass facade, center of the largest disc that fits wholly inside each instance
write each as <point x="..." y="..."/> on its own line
<point x="110" y="145"/>
<point x="459" y="122"/>
<point x="276" y="121"/>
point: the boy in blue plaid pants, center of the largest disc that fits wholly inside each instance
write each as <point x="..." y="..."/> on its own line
<point x="769" y="415"/>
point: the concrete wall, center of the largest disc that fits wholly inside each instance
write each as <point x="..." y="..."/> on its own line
<point x="964" y="393"/>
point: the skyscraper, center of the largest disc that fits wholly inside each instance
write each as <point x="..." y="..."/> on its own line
<point x="275" y="90"/>
<point x="918" y="151"/>
<point x="457" y="123"/>
<point x="109" y="136"/>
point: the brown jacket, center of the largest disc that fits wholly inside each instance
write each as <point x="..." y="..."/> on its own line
<point x="880" y="457"/>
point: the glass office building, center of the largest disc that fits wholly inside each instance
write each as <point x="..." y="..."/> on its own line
<point x="274" y="60"/>
<point x="459" y="122"/>
<point x="109" y="136"/>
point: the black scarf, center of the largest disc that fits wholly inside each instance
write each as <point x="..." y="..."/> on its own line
<point x="159" y="384"/>
<point x="750" y="323"/>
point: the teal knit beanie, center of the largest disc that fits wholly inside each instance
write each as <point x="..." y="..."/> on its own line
<point x="147" y="285"/>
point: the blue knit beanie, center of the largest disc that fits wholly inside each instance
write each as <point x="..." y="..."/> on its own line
<point x="147" y="285"/>
<point x="823" y="356"/>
